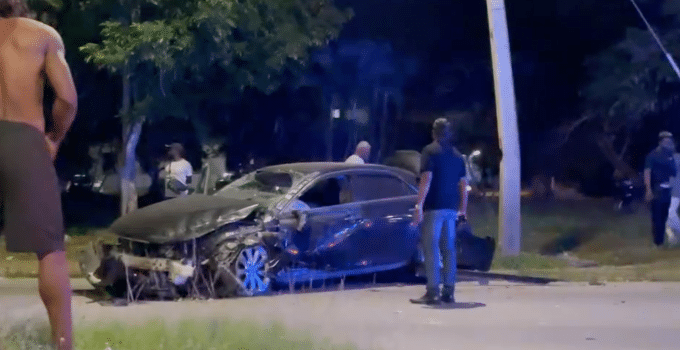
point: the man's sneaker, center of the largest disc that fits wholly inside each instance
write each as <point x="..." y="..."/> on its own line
<point x="447" y="295"/>
<point x="427" y="299"/>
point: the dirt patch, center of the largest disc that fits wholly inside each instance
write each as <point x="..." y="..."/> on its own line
<point x="569" y="241"/>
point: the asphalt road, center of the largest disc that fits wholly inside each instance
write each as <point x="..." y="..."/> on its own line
<point x="495" y="316"/>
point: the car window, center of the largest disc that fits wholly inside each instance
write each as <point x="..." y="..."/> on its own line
<point x="263" y="181"/>
<point x="327" y="192"/>
<point x="366" y="187"/>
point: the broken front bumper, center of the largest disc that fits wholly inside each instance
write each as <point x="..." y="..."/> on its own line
<point x="102" y="265"/>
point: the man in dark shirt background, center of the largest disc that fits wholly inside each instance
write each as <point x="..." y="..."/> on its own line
<point x="659" y="171"/>
<point x="442" y="197"/>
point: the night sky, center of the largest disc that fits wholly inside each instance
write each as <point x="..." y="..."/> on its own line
<point x="555" y="35"/>
<point x="551" y="28"/>
<point x="562" y="32"/>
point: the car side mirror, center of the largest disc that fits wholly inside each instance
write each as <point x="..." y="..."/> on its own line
<point x="294" y="220"/>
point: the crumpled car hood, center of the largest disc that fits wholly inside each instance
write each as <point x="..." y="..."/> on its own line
<point x="182" y="218"/>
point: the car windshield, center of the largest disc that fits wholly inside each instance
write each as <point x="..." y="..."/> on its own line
<point x="263" y="181"/>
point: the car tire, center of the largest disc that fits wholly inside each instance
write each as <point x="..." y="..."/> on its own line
<point x="485" y="265"/>
<point x="247" y="274"/>
<point x="251" y="268"/>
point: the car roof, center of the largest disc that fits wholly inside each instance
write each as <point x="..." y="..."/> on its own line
<point x="329" y="167"/>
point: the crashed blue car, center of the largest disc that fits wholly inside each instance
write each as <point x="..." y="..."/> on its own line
<point x="279" y="225"/>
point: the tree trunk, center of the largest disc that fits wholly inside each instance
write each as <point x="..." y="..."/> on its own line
<point x="328" y="108"/>
<point x="352" y="133"/>
<point x="607" y="147"/>
<point x="129" y="198"/>
<point x="399" y="119"/>
<point x="97" y="169"/>
<point x="201" y="127"/>
<point x="382" y="149"/>
<point x="214" y="166"/>
<point x="125" y="109"/>
<point x="214" y="160"/>
<point x="131" y="132"/>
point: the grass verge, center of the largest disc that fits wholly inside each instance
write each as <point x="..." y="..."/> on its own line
<point x="587" y="229"/>
<point x="157" y="335"/>
<point x="620" y="244"/>
<point x="25" y="265"/>
<point x="541" y="266"/>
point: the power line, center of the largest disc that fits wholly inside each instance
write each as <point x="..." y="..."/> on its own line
<point x="656" y="37"/>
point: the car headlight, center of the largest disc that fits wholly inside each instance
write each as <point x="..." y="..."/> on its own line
<point x="236" y="230"/>
<point x="235" y="215"/>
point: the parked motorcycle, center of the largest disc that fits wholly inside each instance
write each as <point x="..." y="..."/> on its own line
<point x="625" y="196"/>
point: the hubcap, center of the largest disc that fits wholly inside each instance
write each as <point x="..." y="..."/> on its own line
<point x="251" y="270"/>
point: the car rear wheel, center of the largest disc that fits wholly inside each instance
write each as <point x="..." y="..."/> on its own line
<point x="251" y="271"/>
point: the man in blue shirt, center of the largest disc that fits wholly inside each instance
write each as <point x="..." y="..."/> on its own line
<point x="442" y="197"/>
<point x="659" y="173"/>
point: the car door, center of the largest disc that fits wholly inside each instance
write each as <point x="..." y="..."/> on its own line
<point x="386" y="204"/>
<point x="327" y="239"/>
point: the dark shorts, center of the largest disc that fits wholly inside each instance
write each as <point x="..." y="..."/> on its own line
<point x="30" y="202"/>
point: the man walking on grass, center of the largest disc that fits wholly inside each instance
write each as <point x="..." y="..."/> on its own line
<point x="31" y="51"/>
<point x="659" y="173"/>
<point x="442" y="198"/>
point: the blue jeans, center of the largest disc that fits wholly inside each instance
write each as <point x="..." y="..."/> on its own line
<point x="659" y="206"/>
<point x="438" y="239"/>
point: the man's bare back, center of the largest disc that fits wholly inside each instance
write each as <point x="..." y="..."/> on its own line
<point x="31" y="51"/>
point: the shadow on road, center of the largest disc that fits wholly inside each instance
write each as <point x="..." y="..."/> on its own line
<point x="455" y="306"/>
<point x="373" y="283"/>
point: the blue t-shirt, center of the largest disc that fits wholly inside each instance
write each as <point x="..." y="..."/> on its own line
<point x="447" y="167"/>
<point x="662" y="166"/>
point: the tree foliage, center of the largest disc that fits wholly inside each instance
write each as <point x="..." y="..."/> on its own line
<point x="626" y="79"/>
<point x="245" y="43"/>
<point x="254" y="43"/>
<point x="157" y="41"/>
<point x="626" y="83"/>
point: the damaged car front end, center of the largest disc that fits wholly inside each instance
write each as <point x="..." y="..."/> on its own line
<point x="197" y="246"/>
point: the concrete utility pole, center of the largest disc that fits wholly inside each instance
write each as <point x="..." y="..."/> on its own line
<point x="509" y="224"/>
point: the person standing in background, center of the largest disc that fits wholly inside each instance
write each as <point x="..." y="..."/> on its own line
<point x="660" y="169"/>
<point x="361" y="155"/>
<point x="177" y="172"/>
<point x="673" y="221"/>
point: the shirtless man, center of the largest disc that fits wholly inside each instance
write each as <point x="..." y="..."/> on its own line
<point x="31" y="52"/>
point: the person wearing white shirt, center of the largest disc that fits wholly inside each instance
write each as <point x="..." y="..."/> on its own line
<point x="177" y="172"/>
<point x="361" y="155"/>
